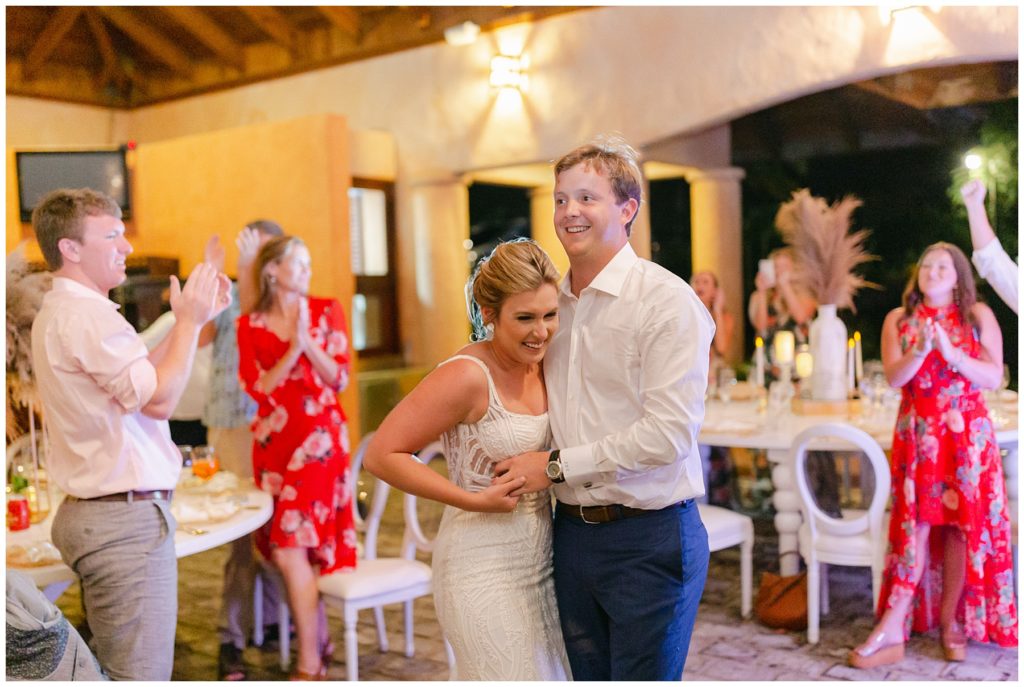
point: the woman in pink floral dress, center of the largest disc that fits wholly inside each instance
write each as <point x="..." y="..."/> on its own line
<point x="293" y="360"/>
<point x="949" y="563"/>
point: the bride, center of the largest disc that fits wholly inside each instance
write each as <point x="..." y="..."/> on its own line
<point x="493" y="587"/>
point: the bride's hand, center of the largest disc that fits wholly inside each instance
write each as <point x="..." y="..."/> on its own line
<point x="496" y="498"/>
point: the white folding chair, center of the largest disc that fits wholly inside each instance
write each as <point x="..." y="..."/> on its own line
<point x="378" y="581"/>
<point x="728" y="528"/>
<point x="859" y="538"/>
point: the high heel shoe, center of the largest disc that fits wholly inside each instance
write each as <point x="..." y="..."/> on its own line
<point x="875" y="653"/>
<point x="299" y="675"/>
<point x="954" y="642"/>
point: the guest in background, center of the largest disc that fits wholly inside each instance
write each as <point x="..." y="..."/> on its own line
<point x="186" y="422"/>
<point x="994" y="265"/>
<point x="949" y="498"/>
<point x="293" y="360"/>
<point x="107" y="400"/>
<point x="779" y="302"/>
<point x="227" y="413"/>
<point x="719" y="472"/>
<point x="705" y="285"/>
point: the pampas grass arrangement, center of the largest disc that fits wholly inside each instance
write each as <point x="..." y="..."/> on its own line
<point x="25" y="291"/>
<point x="825" y="251"/>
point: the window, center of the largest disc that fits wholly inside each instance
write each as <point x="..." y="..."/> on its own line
<point x="374" y="306"/>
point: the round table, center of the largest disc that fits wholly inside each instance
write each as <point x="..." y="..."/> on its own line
<point x="53" y="579"/>
<point x="746" y="424"/>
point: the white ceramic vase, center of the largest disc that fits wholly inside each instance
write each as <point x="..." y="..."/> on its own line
<point x="828" y="348"/>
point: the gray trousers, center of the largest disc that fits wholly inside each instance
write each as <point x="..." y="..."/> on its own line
<point x="124" y="554"/>
<point x="234" y="448"/>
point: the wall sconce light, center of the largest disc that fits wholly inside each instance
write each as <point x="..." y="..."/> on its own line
<point x="509" y="72"/>
<point x="462" y="34"/>
<point x="887" y="11"/>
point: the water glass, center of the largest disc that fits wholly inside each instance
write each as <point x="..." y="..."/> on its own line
<point x="204" y="462"/>
<point x="726" y="382"/>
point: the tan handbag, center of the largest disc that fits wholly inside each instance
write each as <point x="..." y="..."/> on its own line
<point x="782" y="600"/>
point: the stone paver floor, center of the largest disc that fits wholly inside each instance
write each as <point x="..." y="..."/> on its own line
<point x="724" y="647"/>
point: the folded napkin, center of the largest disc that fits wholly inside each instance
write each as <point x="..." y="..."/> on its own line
<point x="197" y="510"/>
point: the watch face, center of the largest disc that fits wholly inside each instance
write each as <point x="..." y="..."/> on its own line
<point x="554" y="470"/>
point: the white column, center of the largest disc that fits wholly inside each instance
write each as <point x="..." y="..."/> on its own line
<point x="717" y="244"/>
<point x="433" y="269"/>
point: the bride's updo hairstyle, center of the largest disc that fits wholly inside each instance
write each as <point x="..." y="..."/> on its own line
<point x="512" y="268"/>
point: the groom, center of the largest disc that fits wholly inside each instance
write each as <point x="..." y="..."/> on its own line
<point x="626" y="375"/>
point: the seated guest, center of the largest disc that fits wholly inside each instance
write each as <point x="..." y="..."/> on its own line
<point x="107" y="400"/>
<point x="41" y="643"/>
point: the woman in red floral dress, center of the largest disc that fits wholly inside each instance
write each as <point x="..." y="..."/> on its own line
<point x="293" y="360"/>
<point x="949" y="563"/>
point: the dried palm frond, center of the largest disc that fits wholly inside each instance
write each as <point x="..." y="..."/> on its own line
<point x="825" y="252"/>
<point x="25" y="292"/>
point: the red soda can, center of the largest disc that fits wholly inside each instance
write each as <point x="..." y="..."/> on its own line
<point x="17" y="513"/>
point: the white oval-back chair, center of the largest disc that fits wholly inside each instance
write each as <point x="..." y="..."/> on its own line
<point x="859" y="538"/>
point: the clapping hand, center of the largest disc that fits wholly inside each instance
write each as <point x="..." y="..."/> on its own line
<point x="973" y="193"/>
<point x="300" y="338"/>
<point x="941" y="340"/>
<point x="248" y="242"/>
<point x="205" y="295"/>
<point x="925" y="339"/>
<point x="213" y="252"/>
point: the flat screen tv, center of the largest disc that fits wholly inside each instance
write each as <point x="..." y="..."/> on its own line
<point x="44" y="171"/>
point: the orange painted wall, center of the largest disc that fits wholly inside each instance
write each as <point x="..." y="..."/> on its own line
<point x="186" y="189"/>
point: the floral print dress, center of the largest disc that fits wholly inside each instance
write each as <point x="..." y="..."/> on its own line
<point x="946" y="470"/>
<point x="300" y="440"/>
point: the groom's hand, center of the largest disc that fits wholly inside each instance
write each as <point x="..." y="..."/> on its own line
<point x="530" y="465"/>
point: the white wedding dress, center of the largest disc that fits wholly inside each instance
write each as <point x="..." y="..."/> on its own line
<point x="493" y="587"/>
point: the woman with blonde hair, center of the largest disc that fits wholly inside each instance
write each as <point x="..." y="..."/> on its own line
<point x="293" y="361"/>
<point x="493" y="584"/>
<point x="949" y="527"/>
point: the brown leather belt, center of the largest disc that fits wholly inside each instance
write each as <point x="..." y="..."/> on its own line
<point x="597" y="515"/>
<point x="130" y="496"/>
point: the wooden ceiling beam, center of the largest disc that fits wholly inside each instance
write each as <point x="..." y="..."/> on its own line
<point x="273" y="24"/>
<point x="50" y="37"/>
<point x="154" y="42"/>
<point x="344" y="18"/>
<point x="105" y="45"/>
<point x="208" y="32"/>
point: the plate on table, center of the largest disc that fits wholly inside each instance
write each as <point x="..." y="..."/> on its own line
<point x="741" y="427"/>
<point x="204" y="510"/>
<point x="34" y="555"/>
<point x="220" y="483"/>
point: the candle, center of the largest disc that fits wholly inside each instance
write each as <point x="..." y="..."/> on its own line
<point x="858" y="356"/>
<point x="804" y="363"/>
<point x="759" y="362"/>
<point x="850" y="366"/>
<point x="784" y="344"/>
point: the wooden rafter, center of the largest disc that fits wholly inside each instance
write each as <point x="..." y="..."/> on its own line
<point x="111" y="70"/>
<point x="344" y="18"/>
<point x="50" y="37"/>
<point x="154" y="42"/>
<point x="208" y="32"/>
<point x="273" y="23"/>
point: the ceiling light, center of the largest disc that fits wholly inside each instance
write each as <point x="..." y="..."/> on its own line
<point x="508" y="72"/>
<point x="462" y="34"/>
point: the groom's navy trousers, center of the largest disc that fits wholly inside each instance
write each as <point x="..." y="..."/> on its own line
<point x="628" y="592"/>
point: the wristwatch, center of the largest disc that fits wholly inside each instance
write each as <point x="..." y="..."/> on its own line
<point x="554" y="468"/>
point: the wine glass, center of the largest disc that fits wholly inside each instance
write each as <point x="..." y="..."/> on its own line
<point x="726" y="382"/>
<point x="204" y="462"/>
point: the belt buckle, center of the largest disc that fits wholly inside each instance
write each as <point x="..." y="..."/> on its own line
<point x="583" y="517"/>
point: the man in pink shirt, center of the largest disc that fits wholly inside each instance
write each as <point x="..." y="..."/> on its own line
<point x="107" y="400"/>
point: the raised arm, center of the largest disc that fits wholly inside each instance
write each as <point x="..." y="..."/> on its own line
<point x="206" y="293"/>
<point x="454" y="392"/>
